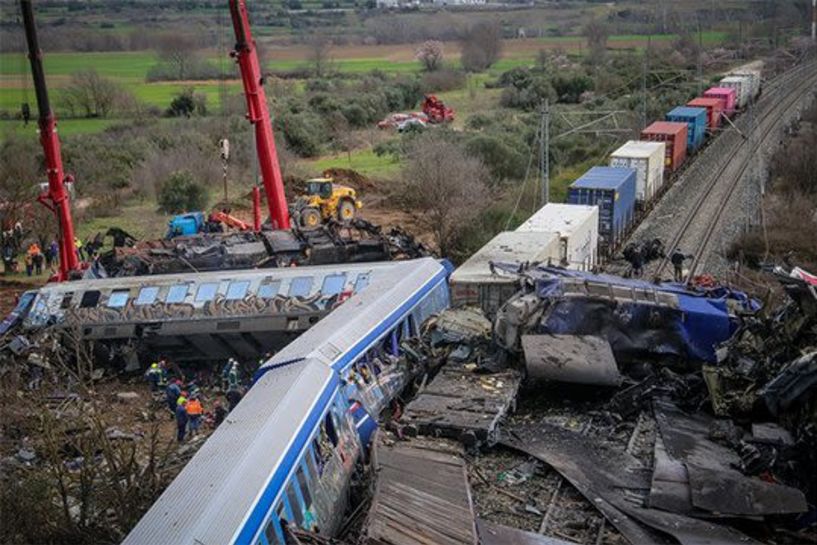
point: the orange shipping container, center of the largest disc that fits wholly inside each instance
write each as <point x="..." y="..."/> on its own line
<point x="675" y="136"/>
<point x="713" y="110"/>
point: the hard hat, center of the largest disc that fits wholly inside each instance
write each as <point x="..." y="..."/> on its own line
<point x="154" y="365"/>
<point x="184" y="393"/>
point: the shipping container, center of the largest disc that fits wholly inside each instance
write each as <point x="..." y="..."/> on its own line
<point x="613" y="191"/>
<point x="726" y="95"/>
<point x="674" y="135"/>
<point x="647" y="158"/>
<point x="742" y="86"/>
<point x="754" y="76"/>
<point x="475" y="282"/>
<point x="713" y="110"/>
<point x="578" y="230"/>
<point x="695" y="118"/>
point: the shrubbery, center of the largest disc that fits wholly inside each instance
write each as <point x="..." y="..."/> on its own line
<point x="181" y="193"/>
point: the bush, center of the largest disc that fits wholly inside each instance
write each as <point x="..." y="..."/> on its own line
<point x="188" y="103"/>
<point x="503" y="158"/>
<point x="181" y="193"/>
<point x="529" y="97"/>
<point x="442" y="80"/>
<point x="304" y="132"/>
<point x="481" y="46"/>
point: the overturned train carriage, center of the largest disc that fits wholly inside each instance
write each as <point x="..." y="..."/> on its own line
<point x="639" y="319"/>
<point x="207" y="316"/>
<point x="287" y="452"/>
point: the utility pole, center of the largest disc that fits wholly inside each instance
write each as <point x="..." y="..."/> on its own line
<point x="700" y="60"/>
<point x="645" y="69"/>
<point x="224" y="144"/>
<point x="814" y="21"/>
<point x="544" y="151"/>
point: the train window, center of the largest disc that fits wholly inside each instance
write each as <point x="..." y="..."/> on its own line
<point x="206" y="292"/>
<point x="271" y="533"/>
<point x="237" y="290"/>
<point x="333" y="284"/>
<point x="118" y="299"/>
<point x="292" y="496"/>
<point x="176" y="294"/>
<point x="147" y="295"/>
<point x="310" y="464"/>
<point x="319" y="452"/>
<point x="66" y="300"/>
<point x="329" y="428"/>
<point x="268" y="290"/>
<point x="361" y="282"/>
<point x="304" y="484"/>
<point x="89" y="299"/>
<point x="299" y="287"/>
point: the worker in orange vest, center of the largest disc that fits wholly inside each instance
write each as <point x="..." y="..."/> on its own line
<point x="194" y="414"/>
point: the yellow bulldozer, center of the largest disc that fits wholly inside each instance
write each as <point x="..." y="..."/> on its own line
<point x="323" y="200"/>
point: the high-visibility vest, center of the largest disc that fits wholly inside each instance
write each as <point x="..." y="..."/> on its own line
<point x="194" y="407"/>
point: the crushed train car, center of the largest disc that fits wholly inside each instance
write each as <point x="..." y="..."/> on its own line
<point x="639" y="319"/>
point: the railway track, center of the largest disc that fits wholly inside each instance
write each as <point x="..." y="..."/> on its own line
<point x="703" y="218"/>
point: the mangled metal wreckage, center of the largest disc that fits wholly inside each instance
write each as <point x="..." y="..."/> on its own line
<point x="354" y="242"/>
<point x="640" y="320"/>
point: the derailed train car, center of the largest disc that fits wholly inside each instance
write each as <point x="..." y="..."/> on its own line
<point x="639" y="319"/>
<point x="207" y="316"/>
<point x="286" y="454"/>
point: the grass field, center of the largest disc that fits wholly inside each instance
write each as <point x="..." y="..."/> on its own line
<point x="65" y="127"/>
<point x="364" y="161"/>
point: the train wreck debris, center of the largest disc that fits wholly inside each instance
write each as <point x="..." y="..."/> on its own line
<point x="333" y="242"/>
<point x="637" y="318"/>
<point x="581" y="359"/>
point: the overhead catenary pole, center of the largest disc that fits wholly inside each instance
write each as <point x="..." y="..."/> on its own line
<point x="814" y="21"/>
<point x="544" y="150"/>
<point x="56" y="197"/>
<point x="252" y="79"/>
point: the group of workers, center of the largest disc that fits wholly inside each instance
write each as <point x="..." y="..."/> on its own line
<point x="639" y="255"/>
<point x="184" y="400"/>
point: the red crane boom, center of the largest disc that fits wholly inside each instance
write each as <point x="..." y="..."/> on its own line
<point x="56" y="198"/>
<point x="258" y="114"/>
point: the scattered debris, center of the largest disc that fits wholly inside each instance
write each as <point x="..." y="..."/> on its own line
<point x="583" y="359"/>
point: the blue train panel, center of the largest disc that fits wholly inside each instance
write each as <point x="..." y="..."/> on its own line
<point x="613" y="191"/>
<point x="695" y="118"/>
<point x="638" y="318"/>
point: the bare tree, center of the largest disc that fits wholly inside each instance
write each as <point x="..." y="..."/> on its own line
<point x="596" y="32"/>
<point x="179" y="51"/>
<point x="444" y="187"/>
<point x="90" y="95"/>
<point x="320" y="53"/>
<point x="481" y="46"/>
<point x="430" y="55"/>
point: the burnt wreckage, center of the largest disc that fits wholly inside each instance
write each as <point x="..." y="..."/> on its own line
<point x="354" y="242"/>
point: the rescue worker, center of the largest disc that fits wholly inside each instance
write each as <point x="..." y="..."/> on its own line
<point x="181" y="418"/>
<point x="162" y="374"/>
<point x="78" y="246"/>
<point x="637" y="262"/>
<point x="225" y="373"/>
<point x="153" y="375"/>
<point x="172" y="392"/>
<point x="194" y="414"/>
<point x="193" y="388"/>
<point x="233" y="377"/>
<point x="677" y="258"/>
<point x="29" y="259"/>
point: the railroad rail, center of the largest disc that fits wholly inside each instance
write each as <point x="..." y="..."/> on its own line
<point x="720" y="186"/>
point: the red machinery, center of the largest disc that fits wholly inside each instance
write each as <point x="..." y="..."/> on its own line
<point x="436" y="111"/>
<point x="257" y="113"/>
<point x="56" y="198"/>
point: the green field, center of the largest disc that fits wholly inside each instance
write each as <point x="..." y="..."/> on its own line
<point x="65" y="127"/>
<point x="130" y="65"/>
<point x="364" y="161"/>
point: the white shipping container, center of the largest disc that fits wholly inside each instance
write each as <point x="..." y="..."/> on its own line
<point x="474" y="283"/>
<point x="578" y="230"/>
<point x="647" y="158"/>
<point x="742" y="86"/>
<point x="754" y="75"/>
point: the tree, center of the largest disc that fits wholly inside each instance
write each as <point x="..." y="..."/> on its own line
<point x="90" y="95"/>
<point x="596" y="32"/>
<point x="320" y="53"/>
<point x="188" y="103"/>
<point x="481" y="46"/>
<point x="445" y="188"/>
<point x="181" y="193"/>
<point x="19" y="177"/>
<point x="179" y="51"/>
<point x="430" y="55"/>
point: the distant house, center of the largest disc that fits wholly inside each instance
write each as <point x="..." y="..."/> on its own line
<point x="459" y="2"/>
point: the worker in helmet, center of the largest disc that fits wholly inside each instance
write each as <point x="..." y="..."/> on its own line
<point x="162" y="374"/>
<point x="153" y="375"/>
<point x="181" y="418"/>
<point x="233" y="379"/>
<point x="225" y="373"/>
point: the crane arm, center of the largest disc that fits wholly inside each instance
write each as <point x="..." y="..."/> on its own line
<point x="56" y="198"/>
<point x="246" y="56"/>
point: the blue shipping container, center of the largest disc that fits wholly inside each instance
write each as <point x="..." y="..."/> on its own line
<point x="696" y="119"/>
<point x="613" y="191"/>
